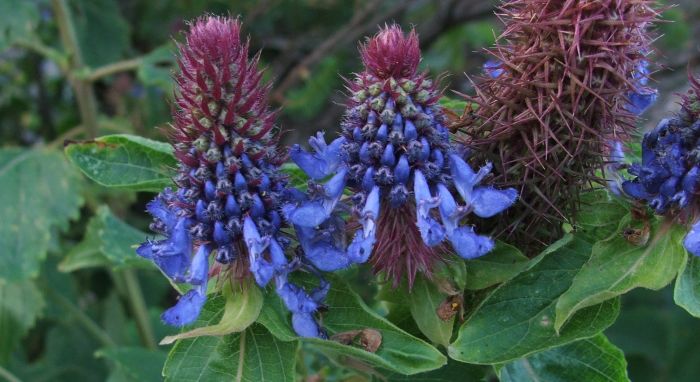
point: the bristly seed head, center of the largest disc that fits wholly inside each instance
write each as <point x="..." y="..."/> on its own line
<point x="565" y="80"/>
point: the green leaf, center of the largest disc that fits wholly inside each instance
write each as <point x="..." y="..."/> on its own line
<point x="40" y="192"/>
<point x="103" y="34"/>
<point x="87" y="253"/>
<point x="20" y="305"/>
<point x="108" y="241"/>
<point x="399" y="351"/>
<point x="453" y="371"/>
<point x="455" y="105"/>
<point x="18" y="20"/>
<point x="125" y="161"/>
<point x="661" y="341"/>
<point x="242" y="307"/>
<point x="251" y="355"/>
<point x="592" y="359"/>
<point x="155" y="68"/>
<point x="687" y="290"/>
<point x="297" y="177"/>
<point x="135" y="364"/>
<point x="617" y="266"/>
<point x="497" y="266"/>
<point x="600" y="213"/>
<point x="424" y="300"/>
<point x="517" y="318"/>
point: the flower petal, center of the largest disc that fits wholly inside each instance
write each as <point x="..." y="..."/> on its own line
<point x="692" y="240"/>
<point x="323" y="162"/>
<point x="199" y="268"/>
<point x="488" y="201"/>
<point x="468" y="244"/>
<point x="186" y="310"/>
<point x="431" y="231"/>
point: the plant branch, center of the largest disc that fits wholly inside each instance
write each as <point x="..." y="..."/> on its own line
<point x="84" y="92"/>
<point x="87" y="322"/>
<point x="322" y="49"/>
<point x="138" y="308"/>
<point x="9" y="377"/>
<point x="113" y="68"/>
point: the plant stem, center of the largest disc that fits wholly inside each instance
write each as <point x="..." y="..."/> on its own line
<point x="4" y="373"/>
<point x="138" y="308"/>
<point x="84" y="92"/>
<point x="90" y="325"/>
<point x="113" y="68"/>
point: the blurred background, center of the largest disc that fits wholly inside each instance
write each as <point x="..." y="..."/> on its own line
<point x="108" y="71"/>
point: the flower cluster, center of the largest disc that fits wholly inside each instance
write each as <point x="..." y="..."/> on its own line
<point x="562" y="84"/>
<point x="229" y="190"/>
<point x="395" y="155"/>
<point x="669" y="174"/>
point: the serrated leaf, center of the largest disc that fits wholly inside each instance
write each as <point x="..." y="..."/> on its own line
<point x="251" y="355"/>
<point x="424" y="301"/>
<point x="108" y="241"/>
<point x="497" y="266"/>
<point x="617" y="266"/>
<point x="592" y="359"/>
<point x="241" y="308"/>
<point x="517" y="317"/>
<point x="134" y="363"/>
<point x="20" y="305"/>
<point x="40" y="192"/>
<point x="687" y="290"/>
<point x="125" y="161"/>
<point x="399" y="351"/>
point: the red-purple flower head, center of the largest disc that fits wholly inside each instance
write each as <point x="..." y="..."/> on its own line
<point x="229" y="189"/>
<point x="407" y="181"/>
<point x="391" y="54"/>
<point x="564" y="83"/>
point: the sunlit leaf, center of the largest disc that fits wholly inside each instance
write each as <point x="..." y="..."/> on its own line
<point x="40" y="193"/>
<point x="125" y="161"/>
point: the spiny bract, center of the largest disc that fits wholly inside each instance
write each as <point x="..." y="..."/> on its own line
<point x="560" y="91"/>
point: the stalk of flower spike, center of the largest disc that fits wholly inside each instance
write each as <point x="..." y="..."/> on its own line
<point x="229" y="189"/>
<point x="395" y="155"/>
<point x="565" y="82"/>
<point x="668" y="177"/>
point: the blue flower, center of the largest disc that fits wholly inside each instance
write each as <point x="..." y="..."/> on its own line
<point x="393" y="145"/>
<point x="643" y="96"/>
<point x="692" y="240"/>
<point x="229" y="189"/>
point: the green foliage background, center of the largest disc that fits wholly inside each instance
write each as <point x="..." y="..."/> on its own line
<point x="76" y="303"/>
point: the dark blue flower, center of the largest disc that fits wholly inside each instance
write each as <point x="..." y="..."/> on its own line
<point x="667" y="179"/>
<point x="395" y="156"/>
<point x="230" y="193"/>
<point x="643" y="96"/>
